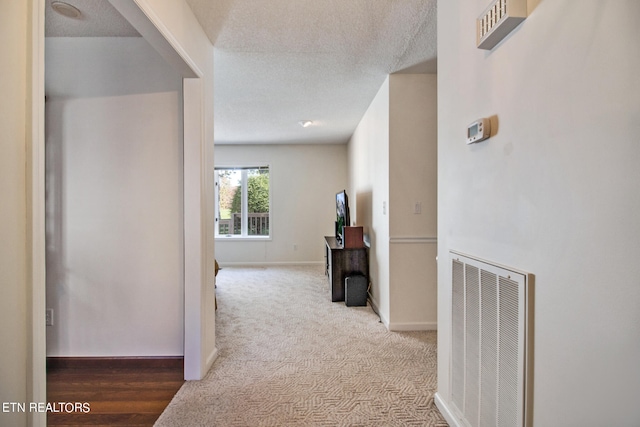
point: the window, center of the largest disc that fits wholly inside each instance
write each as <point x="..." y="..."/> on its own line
<point x="242" y="201"/>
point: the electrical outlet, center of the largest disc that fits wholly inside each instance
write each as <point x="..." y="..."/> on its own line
<point x="295" y="247"/>
<point x="49" y="317"/>
<point x="417" y="208"/>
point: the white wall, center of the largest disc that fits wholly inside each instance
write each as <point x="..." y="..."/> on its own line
<point x="15" y="331"/>
<point x="369" y="191"/>
<point x="114" y="199"/>
<point x="392" y="161"/>
<point x="412" y="179"/>
<point x="304" y="180"/>
<point x="554" y="192"/>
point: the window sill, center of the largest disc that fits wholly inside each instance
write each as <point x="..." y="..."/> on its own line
<point x="243" y="238"/>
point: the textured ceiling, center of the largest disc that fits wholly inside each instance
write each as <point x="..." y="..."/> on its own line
<point x="281" y="61"/>
<point x="99" y="19"/>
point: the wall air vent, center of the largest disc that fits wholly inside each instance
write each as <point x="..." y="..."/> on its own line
<point x="498" y="20"/>
<point x="491" y="341"/>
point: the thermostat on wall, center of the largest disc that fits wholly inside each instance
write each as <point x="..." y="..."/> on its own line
<point x="478" y="131"/>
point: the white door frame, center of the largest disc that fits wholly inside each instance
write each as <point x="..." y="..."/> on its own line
<point x="37" y="352"/>
<point x="198" y="215"/>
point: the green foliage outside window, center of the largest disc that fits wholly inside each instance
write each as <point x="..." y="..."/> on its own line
<point x="257" y="193"/>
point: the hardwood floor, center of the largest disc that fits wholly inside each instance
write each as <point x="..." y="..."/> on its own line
<point x="110" y="391"/>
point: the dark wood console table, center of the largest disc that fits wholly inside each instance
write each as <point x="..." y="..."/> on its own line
<point x="342" y="262"/>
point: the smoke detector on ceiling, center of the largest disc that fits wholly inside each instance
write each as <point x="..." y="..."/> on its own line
<point x="65" y="9"/>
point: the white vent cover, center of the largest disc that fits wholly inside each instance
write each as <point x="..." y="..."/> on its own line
<point x="490" y="334"/>
<point x="498" y="20"/>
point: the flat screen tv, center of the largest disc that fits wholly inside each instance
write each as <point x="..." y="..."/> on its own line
<point x="342" y="214"/>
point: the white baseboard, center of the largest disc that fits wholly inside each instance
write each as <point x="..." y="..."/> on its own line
<point x="268" y="264"/>
<point x="413" y="326"/>
<point x="409" y="326"/>
<point x="212" y="358"/>
<point x="446" y="412"/>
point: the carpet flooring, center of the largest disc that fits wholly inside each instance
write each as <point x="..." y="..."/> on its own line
<point x="288" y="356"/>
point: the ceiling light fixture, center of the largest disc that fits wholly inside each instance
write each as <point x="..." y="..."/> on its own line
<point x="66" y="9"/>
<point x="305" y="123"/>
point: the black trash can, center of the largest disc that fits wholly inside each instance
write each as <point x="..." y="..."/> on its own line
<point x="355" y="290"/>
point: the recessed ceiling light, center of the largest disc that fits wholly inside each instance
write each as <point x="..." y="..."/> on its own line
<point x="305" y="123"/>
<point x="66" y="9"/>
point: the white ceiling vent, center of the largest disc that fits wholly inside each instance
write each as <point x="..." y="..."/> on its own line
<point x="490" y="343"/>
<point x="498" y="20"/>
